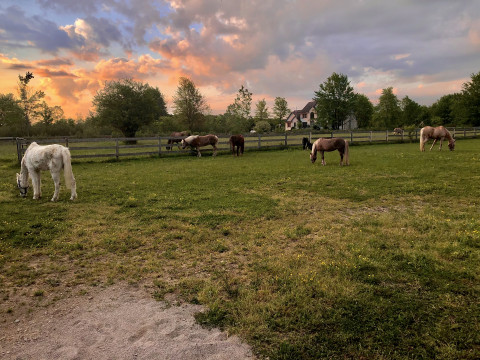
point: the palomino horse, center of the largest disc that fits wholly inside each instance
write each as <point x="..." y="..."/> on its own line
<point x="306" y="144"/>
<point x="324" y="144"/>
<point x="436" y="133"/>
<point x="197" y="141"/>
<point x="176" y="138"/>
<point x="239" y="142"/>
<point x="50" y="157"/>
<point x="397" y="131"/>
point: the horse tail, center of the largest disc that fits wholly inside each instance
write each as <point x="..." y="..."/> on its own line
<point x="347" y="161"/>
<point x="422" y="141"/>
<point x="67" y="168"/>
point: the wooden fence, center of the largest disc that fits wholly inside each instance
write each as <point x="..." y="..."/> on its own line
<point x="132" y="147"/>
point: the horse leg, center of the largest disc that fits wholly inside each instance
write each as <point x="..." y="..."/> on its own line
<point x="341" y="157"/>
<point x="35" y="175"/>
<point x="214" y="150"/>
<point x="323" y="158"/>
<point x="56" y="181"/>
<point x="441" y="142"/>
<point x="434" y="141"/>
<point x="198" y="152"/>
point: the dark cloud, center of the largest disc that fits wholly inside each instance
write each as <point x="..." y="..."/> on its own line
<point x="36" y="31"/>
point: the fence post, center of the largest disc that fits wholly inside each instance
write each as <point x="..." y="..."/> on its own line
<point x="259" y="141"/>
<point x="371" y="135"/>
<point x="386" y="136"/>
<point x="66" y="142"/>
<point x="331" y="134"/>
<point x="286" y="142"/>
<point x="159" y="146"/>
<point x="310" y="136"/>
<point x="351" y="136"/>
<point x="464" y="132"/>
<point x="116" y="149"/>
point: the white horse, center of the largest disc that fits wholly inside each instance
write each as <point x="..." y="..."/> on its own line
<point x="50" y="157"/>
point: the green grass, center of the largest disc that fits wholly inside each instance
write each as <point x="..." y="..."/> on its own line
<point x="378" y="260"/>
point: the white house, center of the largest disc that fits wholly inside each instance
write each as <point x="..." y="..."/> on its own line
<point x="305" y="116"/>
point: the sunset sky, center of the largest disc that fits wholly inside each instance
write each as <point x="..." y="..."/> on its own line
<point x="423" y="49"/>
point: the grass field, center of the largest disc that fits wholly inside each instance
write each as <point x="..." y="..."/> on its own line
<point x="378" y="260"/>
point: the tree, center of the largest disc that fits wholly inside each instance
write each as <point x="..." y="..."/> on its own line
<point x="190" y="105"/>
<point x="127" y="105"/>
<point x="243" y="103"/>
<point x="387" y="112"/>
<point x="334" y="101"/>
<point x="471" y="100"/>
<point x="238" y="113"/>
<point x="261" y="112"/>
<point x="363" y="110"/>
<point x="411" y="112"/>
<point x="11" y="116"/>
<point x="29" y="101"/>
<point x="280" y="110"/>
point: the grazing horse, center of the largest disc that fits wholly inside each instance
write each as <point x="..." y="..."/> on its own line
<point x="398" y="131"/>
<point x="324" y="144"/>
<point x="176" y="138"/>
<point x="436" y="133"/>
<point x="306" y="144"/>
<point x="197" y="141"/>
<point x="239" y="142"/>
<point x="50" y="157"/>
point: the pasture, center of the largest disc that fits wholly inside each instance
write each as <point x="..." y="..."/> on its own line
<point x="376" y="260"/>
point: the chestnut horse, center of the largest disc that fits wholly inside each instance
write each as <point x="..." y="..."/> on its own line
<point x="239" y="142"/>
<point x="324" y="144"/>
<point x="176" y="138"/>
<point x="436" y="133"/>
<point x="197" y="141"/>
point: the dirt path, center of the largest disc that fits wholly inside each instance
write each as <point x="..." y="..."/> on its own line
<point x="115" y="323"/>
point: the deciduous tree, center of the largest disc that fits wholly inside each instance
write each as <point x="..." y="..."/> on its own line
<point x="334" y="101"/>
<point x="127" y="105"/>
<point x="190" y="106"/>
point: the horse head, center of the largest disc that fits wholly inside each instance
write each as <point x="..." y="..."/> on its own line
<point x="313" y="155"/>
<point x="451" y="145"/>
<point x="22" y="186"/>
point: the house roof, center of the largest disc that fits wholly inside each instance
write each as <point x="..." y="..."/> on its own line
<point x="305" y="110"/>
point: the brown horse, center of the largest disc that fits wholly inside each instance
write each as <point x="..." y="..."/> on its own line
<point x="197" y="141"/>
<point x="176" y="138"/>
<point x="239" y="142"/>
<point x="398" y="131"/>
<point x="436" y="133"/>
<point x="332" y="144"/>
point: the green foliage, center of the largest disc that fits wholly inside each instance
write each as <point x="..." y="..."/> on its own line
<point x="261" y="111"/>
<point x="334" y="101"/>
<point x="471" y="100"/>
<point x="11" y="116"/>
<point x="190" y="105"/>
<point x="262" y="127"/>
<point x="387" y="113"/>
<point x="280" y="109"/>
<point x="363" y="110"/>
<point x="127" y="105"/>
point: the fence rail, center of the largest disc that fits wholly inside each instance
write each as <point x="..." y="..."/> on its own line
<point x="141" y="146"/>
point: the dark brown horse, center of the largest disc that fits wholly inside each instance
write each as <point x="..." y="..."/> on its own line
<point x="197" y="141"/>
<point x="239" y="142"/>
<point x="306" y="144"/>
<point x="176" y="138"/>
<point x="436" y="133"/>
<point x="324" y="144"/>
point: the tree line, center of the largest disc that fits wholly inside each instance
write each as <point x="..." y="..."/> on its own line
<point x="130" y="108"/>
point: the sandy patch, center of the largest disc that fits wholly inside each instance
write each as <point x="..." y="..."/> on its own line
<point x="115" y="323"/>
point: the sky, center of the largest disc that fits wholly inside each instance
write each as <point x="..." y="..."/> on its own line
<point x="276" y="48"/>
